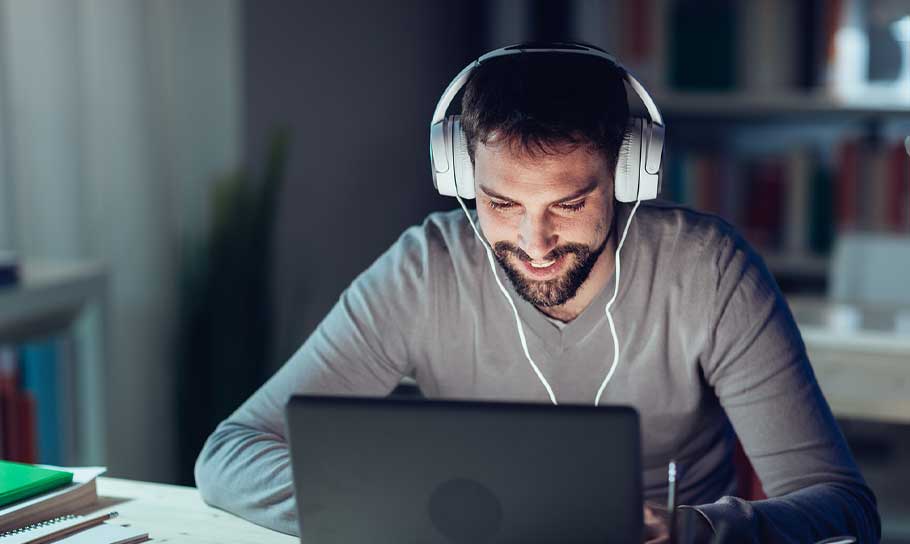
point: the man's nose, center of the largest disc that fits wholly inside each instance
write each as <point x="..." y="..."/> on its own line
<point x="536" y="237"/>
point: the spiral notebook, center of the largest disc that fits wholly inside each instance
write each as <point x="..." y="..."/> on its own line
<point x="76" y="496"/>
<point x="105" y="533"/>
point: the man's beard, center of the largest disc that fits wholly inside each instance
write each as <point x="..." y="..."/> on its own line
<point x="559" y="290"/>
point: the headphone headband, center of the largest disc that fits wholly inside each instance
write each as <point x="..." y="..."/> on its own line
<point x="578" y="49"/>
<point x="637" y="175"/>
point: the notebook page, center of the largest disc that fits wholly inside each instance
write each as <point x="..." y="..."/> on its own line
<point x="32" y="532"/>
<point x="106" y="533"/>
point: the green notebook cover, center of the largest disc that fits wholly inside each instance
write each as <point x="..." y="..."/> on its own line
<point x="19" y="481"/>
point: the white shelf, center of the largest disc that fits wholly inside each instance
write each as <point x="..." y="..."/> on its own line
<point x="735" y="104"/>
<point x="49" y="295"/>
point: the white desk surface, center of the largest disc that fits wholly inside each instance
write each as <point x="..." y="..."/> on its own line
<point x="177" y="514"/>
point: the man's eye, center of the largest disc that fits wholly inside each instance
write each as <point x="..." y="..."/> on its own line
<point x="573" y="206"/>
<point x="498" y="205"/>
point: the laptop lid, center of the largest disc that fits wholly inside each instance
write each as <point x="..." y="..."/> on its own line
<point x="419" y="471"/>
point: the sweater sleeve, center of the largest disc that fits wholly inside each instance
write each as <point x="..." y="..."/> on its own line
<point x="362" y="347"/>
<point x="756" y="362"/>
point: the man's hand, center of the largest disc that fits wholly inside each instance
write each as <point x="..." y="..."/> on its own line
<point x="657" y="526"/>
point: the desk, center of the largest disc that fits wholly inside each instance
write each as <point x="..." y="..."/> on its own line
<point x="172" y="513"/>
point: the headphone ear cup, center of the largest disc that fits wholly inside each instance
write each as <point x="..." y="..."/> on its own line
<point x="464" y="169"/>
<point x="441" y="158"/>
<point x="628" y="163"/>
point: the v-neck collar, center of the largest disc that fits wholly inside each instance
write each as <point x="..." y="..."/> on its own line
<point x="556" y="340"/>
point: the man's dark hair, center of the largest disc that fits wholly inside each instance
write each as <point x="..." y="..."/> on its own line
<point x="539" y="102"/>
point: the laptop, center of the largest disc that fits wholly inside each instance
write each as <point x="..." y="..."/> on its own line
<point x="403" y="471"/>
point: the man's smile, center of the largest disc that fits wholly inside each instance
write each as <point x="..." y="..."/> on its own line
<point x="544" y="269"/>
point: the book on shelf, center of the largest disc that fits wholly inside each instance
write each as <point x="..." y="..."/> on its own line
<point x="632" y="31"/>
<point x="17" y="412"/>
<point x="9" y="269"/>
<point x="40" y="368"/>
<point x="37" y="392"/>
<point x="872" y="187"/>
<point x="821" y="209"/>
<point x="798" y="177"/>
<point x="789" y="202"/>
<point x="851" y="50"/>
<point x="701" y="45"/>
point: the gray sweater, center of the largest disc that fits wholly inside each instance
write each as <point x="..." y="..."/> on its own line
<point x="708" y="347"/>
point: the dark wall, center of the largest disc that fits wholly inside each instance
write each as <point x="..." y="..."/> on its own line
<point x="356" y="82"/>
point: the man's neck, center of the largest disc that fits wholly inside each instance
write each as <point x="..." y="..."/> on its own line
<point x="597" y="280"/>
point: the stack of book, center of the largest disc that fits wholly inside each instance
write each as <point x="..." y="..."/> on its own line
<point x="40" y="504"/>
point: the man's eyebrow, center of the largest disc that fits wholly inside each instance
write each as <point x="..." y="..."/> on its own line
<point x="577" y="194"/>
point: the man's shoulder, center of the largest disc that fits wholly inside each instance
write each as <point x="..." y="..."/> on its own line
<point x="666" y="222"/>
<point x="443" y="237"/>
<point x="441" y="231"/>
<point x="447" y="225"/>
<point x="682" y="238"/>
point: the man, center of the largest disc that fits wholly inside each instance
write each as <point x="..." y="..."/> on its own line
<point x="707" y="345"/>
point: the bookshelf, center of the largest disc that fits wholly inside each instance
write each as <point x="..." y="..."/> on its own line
<point x="749" y="86"/>
<point x="55" y="298"/>
<point x="786" y="106"/>
<point x="759" y="94"/>
<point x="732" y="148"/>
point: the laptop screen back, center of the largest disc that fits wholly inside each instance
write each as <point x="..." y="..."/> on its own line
<point x="413" y="471"/>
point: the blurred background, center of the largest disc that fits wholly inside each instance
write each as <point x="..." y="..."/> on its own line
<point x="187" y="187"/>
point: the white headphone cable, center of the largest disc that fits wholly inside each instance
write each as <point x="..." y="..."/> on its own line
<point x="521" y="332"/>
<point x="610" y="303"/>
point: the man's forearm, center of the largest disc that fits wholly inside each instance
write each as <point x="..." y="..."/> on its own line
<point x="247" y="472"/>
<point x="808" y="515"/>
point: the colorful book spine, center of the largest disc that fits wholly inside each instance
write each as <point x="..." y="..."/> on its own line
<point x="795" y="201"/>
<point x="821" y="209"/>
<point x="846" y="185"/>
<point x="7" y="383"/>
<point x="39" y="366"/>
<point x="796" y="222"/>
<point x="17" y="411"/>
<point x="702" y="45"/>
<point x="898" y="190"/>
<point x="9" y="269"/>
<point x="9" y="404"/>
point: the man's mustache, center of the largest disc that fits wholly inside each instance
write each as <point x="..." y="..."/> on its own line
<point x="504" y="248"/>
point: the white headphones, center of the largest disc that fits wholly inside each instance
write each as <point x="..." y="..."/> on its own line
<point x="637" y="166"/>
<point x="637" y="175"/>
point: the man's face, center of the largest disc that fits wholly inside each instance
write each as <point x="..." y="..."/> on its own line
<point x="547" y="218"/>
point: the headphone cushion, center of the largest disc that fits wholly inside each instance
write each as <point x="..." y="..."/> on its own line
<point x="464" y="168"/>
<point x="628" y="163"/>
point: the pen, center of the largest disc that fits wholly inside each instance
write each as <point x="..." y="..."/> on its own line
<point x="671" y="498"/>
<point x="81" y="526"/>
